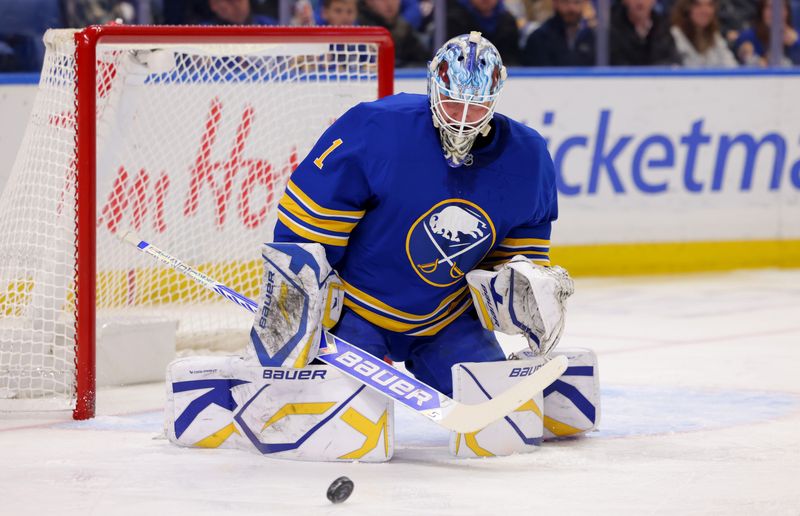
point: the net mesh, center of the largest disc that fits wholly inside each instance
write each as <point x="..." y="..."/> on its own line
<point x="195" y="143"/>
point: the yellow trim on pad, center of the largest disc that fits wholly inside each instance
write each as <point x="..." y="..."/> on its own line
<point x="299" y="409"/>
<point x="560" y="429"/>
<point x="530" y="406"/>
<point x="482" y="311"/>
<point x="372" y="432"/>
<point x="471" y="440"/>
<point x="216" y="439"/>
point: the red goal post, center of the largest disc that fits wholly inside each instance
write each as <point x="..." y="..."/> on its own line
<point x="177" y="132"/>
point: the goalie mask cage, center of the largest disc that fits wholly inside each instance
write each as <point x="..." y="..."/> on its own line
<point x="186" y="135"/>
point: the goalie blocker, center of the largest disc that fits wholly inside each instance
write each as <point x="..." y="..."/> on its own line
<point x="300" y="295"/>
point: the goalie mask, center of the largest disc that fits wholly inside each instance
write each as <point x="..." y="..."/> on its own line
<point x="464" y="81"/>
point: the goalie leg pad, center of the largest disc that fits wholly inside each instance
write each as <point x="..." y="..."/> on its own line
<point x="300" y="294"/>
<point x="313" y="414"/>
<point x="520" y="431"/>
<point x="572" y="403"/>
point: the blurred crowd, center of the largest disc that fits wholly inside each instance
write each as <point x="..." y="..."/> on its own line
<point x="691" y="33"/>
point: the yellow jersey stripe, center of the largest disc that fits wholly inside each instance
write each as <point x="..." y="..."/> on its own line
<point x="435" y="328"/>
<point x="377" y="319"/>
<point x="311" y="235"/>
<point x="378" y="305"/>
<point x="399" y="327"/>
<point x="494" y="254"/>
<point x="319" y="210"/>
<point x="329" y="225"/>
<point x="538" y="242"/>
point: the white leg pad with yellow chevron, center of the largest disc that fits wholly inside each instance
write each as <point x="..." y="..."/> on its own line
<point x="519" y="432"/>
<point x="572" y="402"/>
<point x="314" y="413"/>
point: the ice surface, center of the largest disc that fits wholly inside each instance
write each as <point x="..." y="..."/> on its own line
<point x="700" y="415"/>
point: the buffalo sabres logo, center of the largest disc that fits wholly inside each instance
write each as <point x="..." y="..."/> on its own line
<point x="449" y="240"/>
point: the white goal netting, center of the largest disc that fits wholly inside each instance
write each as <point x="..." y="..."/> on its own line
<point x="195" y="142"/>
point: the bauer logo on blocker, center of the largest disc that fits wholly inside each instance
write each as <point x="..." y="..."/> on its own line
<point x="449" y="240"/>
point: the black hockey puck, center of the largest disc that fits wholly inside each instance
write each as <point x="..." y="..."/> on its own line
<point x="340" y="490"/>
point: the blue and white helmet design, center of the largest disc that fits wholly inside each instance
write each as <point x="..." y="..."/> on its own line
<point x="464" y="81"/>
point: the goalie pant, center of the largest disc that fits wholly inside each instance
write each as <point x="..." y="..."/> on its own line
<point x="428" y="358"/>
<point x="318" y="414"/>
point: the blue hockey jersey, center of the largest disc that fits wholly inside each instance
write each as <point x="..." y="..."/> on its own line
<point x="401" y="227"/>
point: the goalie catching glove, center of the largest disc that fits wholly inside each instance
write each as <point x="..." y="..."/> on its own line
<point x="523" y="298"/>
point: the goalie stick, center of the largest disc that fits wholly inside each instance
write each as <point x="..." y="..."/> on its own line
<point x="384" y="378"/>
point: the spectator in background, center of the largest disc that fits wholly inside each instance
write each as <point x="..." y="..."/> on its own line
<point x="530" y="15"/>
<point x="590" y="14"/>
<point x="81" y="13"/>
<point x="303" y="14"/>
<point x="268" y="8"/>
<point x="8" y="60"/>
<point x="235" y="12"/>
<point x="639" y="36"/>
<point x="184" y="12"/>
<point x="339" y="12"/>
<point x="408" y="48"/>
<point x="695" y="29"/>
<point x="22" y="25"/>
<point x="413" y="13"/>
<point x="492" y="19"/>
<point x="734" y="16"/>
<point x="752" y="46"/>
<point x="795" y="9"/>
<point x="563" y="40"/>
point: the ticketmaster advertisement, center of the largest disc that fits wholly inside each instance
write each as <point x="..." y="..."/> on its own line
<point x="669" y="159"/>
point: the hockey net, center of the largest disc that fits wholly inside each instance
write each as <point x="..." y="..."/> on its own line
<point x="185" y="135"/>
